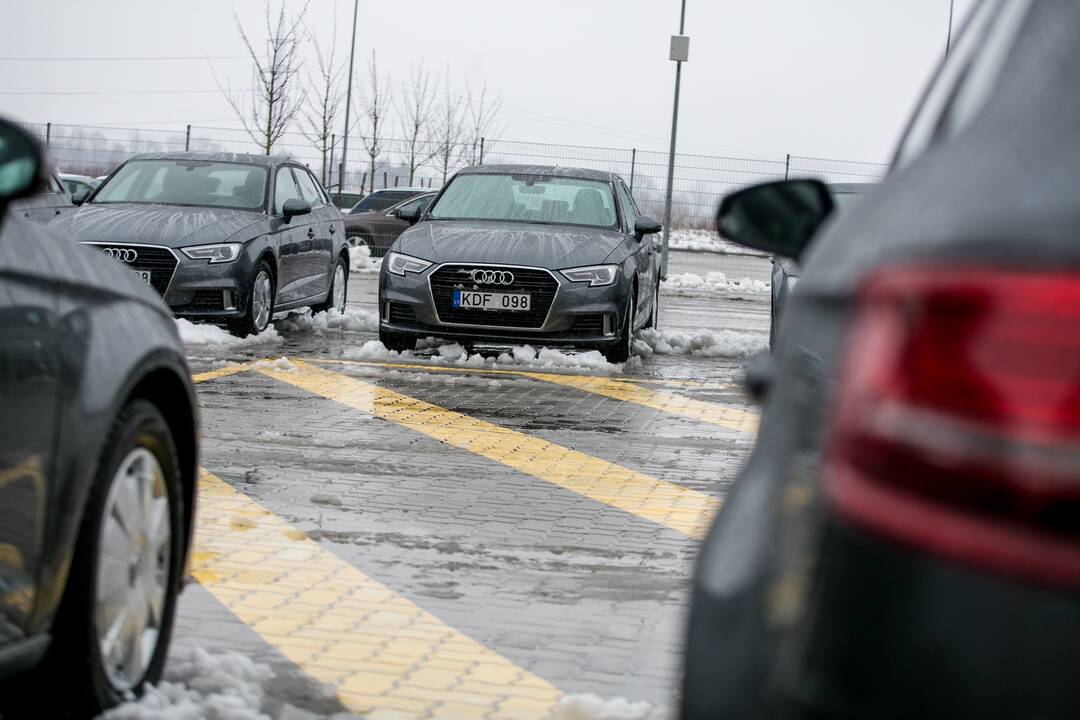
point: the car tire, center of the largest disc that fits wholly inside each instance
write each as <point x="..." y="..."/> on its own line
<point x="620" y="351"/>
<point x="261" y="299"/>
<point x="339" y="288"/>
<point x="653" y="322"/>
<point x="358" y="239"/>
<point x="397" y="342"/>
<point x="139" y="459"/>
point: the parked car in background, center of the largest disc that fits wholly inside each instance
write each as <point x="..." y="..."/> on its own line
<point x="786" y="270"/>
<point x="384" y="199"/>
<point x="78" y="186"/>
<point x="98" y="455"/>
<point x="222" y="237"/>
<point x="345" y="201"/>
<point x="523" y="254"/>
<point x="904" y="541"/>
<point x="378" y="229"/>
<point x="51" y="202"/>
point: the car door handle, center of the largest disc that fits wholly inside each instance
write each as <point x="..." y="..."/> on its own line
<point x="311" y="233"/>
<point x="333" y="229"/>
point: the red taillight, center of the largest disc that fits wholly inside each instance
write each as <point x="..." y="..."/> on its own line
<point x="958" y="417"/>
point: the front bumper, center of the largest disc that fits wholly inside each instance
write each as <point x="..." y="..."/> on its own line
<point x="579" y="315"/>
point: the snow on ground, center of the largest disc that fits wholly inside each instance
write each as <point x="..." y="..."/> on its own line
<point x="282" y="364"/>
<point x="518" y="357"/>
<point x="212" y="335"/>
<point x="360" y="260"/>
<point x="592" y="707"/>
<point x="202" y="686"/>
<point x="719" y="343"/>
<point x="353" y="319"/>
<point x="713" y="282"/>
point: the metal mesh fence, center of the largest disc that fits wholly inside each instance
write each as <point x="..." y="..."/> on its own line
<point x="700" y="180"/>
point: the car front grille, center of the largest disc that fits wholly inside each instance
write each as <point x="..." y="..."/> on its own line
<point x="401" y="313"/>
<point x="158" y="261"/>
<point x="588" y="325"/>
<point x="206" y="300"/>
<point x="537" y="283"/>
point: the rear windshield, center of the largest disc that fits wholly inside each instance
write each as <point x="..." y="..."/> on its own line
<point x="379" y="201"/>
<point x="527" y="198"/>
<point x="186" y="182"/>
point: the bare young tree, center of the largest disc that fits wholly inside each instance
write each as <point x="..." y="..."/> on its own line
<point x="483" y="118"/>
<point x="376" y="101"/>
<point x="324" y="106"/>
<point x="449" y="130"/>
<point x="278" y="93"/>
<point x="416" y="110"/>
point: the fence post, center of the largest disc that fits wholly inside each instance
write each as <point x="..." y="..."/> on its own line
<point x="787" y="166"/>
<point x="48" y="133"/>
<point x="395" y="181"/>
<point x="187" y="139"/>
<point x="481" y="151"/>
<point x="330" y="170"/>
<point x="385" y="175"/>
<point x="363" y="183"/>
<point x="633" y="164"/>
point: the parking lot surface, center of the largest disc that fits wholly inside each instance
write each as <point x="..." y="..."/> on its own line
<point x="409" y="537"/>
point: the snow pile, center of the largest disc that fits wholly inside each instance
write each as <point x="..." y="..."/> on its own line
<point x="591" y="707"/>
<point x="353" y="319"/>
<point x="374" y="350"/>
<point x="519" y="356"/>
<point x="360" y="260"/>
<point x="282" y="364"/>
<point x="722" y="343"/>
<point x="696" y="240"/>
<point x="201" y="686"/>
<point x="714" y="282"/>
<point x="193" y="334"/>
<point x="550" y="359"/>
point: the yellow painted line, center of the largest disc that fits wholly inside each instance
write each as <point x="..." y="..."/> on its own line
<point x="507" y="371"/>
<point x="387" y="658"/>
<point x="714" y="413"/>
<point x="682" y="509"/>
<point x="220" y="372"/>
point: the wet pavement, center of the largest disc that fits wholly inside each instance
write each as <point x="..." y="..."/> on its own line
<point x="417" y="540"/>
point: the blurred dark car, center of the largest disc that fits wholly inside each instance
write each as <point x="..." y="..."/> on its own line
<point x="378" y="229"/>
<point x="786" y="271"/>
<point x="53" y="201"/>
<point x="904" y="541"/>
<point x="385" y="199"/>
<point x="98" y="455"/>
<point x="225" y="237"/>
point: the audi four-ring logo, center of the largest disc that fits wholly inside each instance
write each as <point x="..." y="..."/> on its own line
<point x="492" y="277"/>
<point x="122" y="254"/>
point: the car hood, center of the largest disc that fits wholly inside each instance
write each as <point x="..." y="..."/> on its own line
<point x="166" y="225"/>
<point x="512" y="243"/>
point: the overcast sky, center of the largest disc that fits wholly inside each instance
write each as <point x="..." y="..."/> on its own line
<point x="825" y="78"/>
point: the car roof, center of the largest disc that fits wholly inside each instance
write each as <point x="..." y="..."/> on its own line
<point x="73" y="176"/>
<point x="551" y="170"/>
<point x="264" y="160"/>
<point x="402" y="189"/>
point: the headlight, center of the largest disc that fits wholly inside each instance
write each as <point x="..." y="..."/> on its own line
<point x="400" y="264"/>
<point x="226" y="252"/>
<point x="595" y="275"/>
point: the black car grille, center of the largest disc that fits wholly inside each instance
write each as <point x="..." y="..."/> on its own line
<point x="537" y="283"/>
<point x="159" y="262"/>
<point x="206" y="301"/>
<point x="400" y="313"/>
<point x="588" y="325"/>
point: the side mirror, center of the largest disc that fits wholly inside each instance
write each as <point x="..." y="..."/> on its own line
<point x="778" y="217"/>
<point x="410" y="215"/>
<point x="295" y="207"/>
<point x="22" y="171"/>
<point x="79" y="196"/>
<point x="645" y="225"/>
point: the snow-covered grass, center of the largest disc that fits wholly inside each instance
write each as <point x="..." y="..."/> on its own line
<point x="360" y="260"/>
<point x="701" y="241"/>
<point x="719" y="343"/>
<point x="593" y="707"/>
<point x="716" y="282"/>
<point x="202" y="686"/>
<point x="214" y="336"/>
<point x="519" y="356"/>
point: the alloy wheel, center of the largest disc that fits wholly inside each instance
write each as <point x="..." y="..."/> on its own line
<point x="261" y="301"/>
<point x="132" y="581"/>
<point x="338" y="289"/>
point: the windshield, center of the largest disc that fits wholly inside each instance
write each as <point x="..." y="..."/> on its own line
<point x="527" y="198"/>
<point x="382" y="200"/>
<point x="186" y="182"/>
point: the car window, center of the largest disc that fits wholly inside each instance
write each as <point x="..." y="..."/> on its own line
<point x="630" y="211"/>
<point x="193" y="183"/>
<point x="284" y="189"/>
<point x="964" y="75"/>
<point x="419" y="203"/>
<point x="307" y="187"/>
<point x="54" y="185"/>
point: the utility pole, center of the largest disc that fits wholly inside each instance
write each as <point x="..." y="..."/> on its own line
<point x="680" y="53"/>
<point x="948" y="38"/>
<point x="348" y="102"/>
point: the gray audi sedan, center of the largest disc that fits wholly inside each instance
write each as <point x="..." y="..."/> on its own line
<point x="224" y="237"/>
<point x="524" y="254"/>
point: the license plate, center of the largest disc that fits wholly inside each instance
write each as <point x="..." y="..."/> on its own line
<point x="144" y="274"/>
<point x="473" y="300"/>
